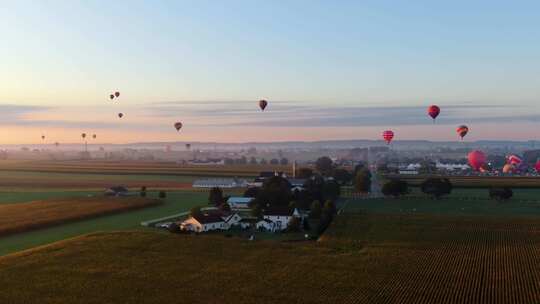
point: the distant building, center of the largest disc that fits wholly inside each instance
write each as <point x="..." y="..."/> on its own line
<point x="220" y="182"/>
<point x="117" y="191"/>
<point x="280" y="217"/>
<point x="239" y="202"/>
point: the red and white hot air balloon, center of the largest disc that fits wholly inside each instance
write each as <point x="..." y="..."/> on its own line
<point x="514" y="160"/>
<point x="388" y="135"/>
<point x="462" y="131"/>
<point x="537" y="166"/>
<point x="434" y="111"/>
<point x="477" y="159"/>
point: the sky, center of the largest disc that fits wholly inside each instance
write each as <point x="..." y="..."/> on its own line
<point x="329" y="69"/>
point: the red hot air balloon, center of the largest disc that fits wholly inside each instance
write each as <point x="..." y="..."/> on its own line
<point x="388" y="136"/>
<point x="178" y="126"/>
<point x="462" y="131"/>
<point x="537" y="166"/>
<point x="111" y="96"/>
<point x="477" y="159"/>
<point x="117" y="94"/>
<point x="263" y="104"/>
<point x="120" y="115"/>
<point x="434" y="111"/>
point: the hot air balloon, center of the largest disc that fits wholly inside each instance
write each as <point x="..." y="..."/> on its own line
<point x="508" y="168"/>
<point x="57" y="144"/>
<point x="94" y="136"/>
<point x="178" y="126"/>
<point x="188" y="146"/>
<point x="120" y="115"/>
<point x="43" y="137"/>
<point x="462" y="131"/>
<point x="476" y="159"/>
<point x="434" y="111"/>
<point x="537" y="166"/>
<point x="262" y="104"/>
<point x="117" y="94"/>
<point x="388" y="136"/>
<point x="111" y="96"/>
<point x="83" y="135"/>
<point x="514" y="160"/>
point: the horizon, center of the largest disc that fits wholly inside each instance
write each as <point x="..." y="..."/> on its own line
<point x="339" y="72"/>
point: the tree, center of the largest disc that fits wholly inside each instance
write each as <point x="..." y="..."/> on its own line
<point x="216" y="196"/>
<point x="427" y="167"/>
<point x="195" y="212"/>
<point x="252" y="192"/>
<point x="304" y="173"/>
<point x="315" y="210"/>
<point x="162" y="194"/>
<point x="252" y="161"/>
<point x="436" y="187"/>
<point x="395" y="188"/>
<point x="256" y="211"/>
<point x="315" y="188"/>
<point x="294" y="224"/>
<point x="263" y="161"/>
<point x="276" y="191"/>
<point x="329" y="209"/>
<point x="274" y="161"/>
<point x="362" y="181"/>
<point x="501" y="194"/>
<point x="324" y="165"/>
<point x="331" y="190"/>
<point x="283" y="161"/>
<point x="342" y="176"/>
<point x="225" y="207"/>
<point x="143" y="191"/>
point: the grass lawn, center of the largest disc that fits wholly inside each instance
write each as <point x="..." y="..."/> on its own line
<point x="176" y="202"/>
<point x="14" y="197"/>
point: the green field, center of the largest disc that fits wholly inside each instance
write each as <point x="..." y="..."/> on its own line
<point x="176" y="202"/>
<point x="526" y="202"/>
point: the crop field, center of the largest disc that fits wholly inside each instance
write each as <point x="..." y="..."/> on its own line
<point x="139" y="168"/>
<point x="176" y="202"/>
<point x="39" y="181"/>
<point x="22" y="217"/>
<point x="478" y="181"/>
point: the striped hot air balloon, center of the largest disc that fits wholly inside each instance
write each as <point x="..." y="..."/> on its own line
<point x="388" y="135"/>
<point x="514" y="160"/>
<point x="462" y="131"/>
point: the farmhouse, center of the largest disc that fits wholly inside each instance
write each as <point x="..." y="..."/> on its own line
<point x="239" y="202"/>
<point x="204" y="223"/>
<point x="280" y="217"/>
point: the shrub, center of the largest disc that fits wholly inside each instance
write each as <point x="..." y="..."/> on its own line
<point x="173" y="228"/>
<point x="436" y="187"/>
<point x="162" y="194"/>
<point x="501" y="194"/>
<point x="395" y="188"/>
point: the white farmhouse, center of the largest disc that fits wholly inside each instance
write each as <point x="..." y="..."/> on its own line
<point x="204" y="223"/>
<point x="280" y="217"/>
